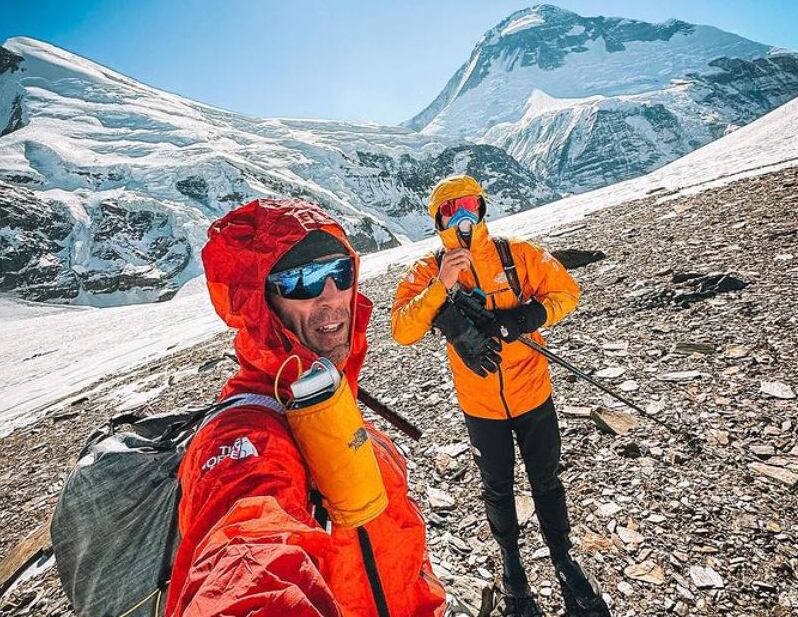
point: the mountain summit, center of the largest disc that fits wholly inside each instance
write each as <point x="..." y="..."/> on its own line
<point x="583" y="102"/>
<point x="565" y="55"/>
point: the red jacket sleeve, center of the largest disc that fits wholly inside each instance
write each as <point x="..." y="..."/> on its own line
<point x="249" y="543"/>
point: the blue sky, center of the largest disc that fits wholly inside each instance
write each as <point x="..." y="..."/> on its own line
<point x="347" y="60"/>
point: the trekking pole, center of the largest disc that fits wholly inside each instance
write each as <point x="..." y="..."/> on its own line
<point x="381" y="409"/>
<point x="526" y="340"/>
<point x="473" y="306"/>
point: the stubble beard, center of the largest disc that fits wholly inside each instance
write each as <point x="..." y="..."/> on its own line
<point x="336" y="350"/>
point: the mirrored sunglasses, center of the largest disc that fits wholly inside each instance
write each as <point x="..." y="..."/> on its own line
<point x="308" y="281"/>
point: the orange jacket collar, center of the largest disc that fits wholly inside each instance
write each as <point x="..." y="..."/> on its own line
<point x="480" y="238"/>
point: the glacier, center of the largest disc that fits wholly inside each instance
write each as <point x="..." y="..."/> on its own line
<point x="124" y="179"/>
<point x="107" y="185"/>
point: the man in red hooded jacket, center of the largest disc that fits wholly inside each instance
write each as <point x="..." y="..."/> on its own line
<point x="283" y="274"/>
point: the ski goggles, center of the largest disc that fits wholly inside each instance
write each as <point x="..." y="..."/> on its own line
<point x="471" y="203"/>
<point x="308" y="281"/>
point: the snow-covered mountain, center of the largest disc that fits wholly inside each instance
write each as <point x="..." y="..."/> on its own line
<point x="587" y="101"/>
<point x="107" y="185"/>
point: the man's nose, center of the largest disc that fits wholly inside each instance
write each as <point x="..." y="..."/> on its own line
<point x="331" y="294"/>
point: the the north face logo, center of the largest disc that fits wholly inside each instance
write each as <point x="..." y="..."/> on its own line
<point x="360" y="437"/>
<point x="242" y="448"/>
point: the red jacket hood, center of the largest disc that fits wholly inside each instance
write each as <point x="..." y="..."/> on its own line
<point x="242" y="248"/>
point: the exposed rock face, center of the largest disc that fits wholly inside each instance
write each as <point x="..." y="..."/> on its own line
<point x="33" y="239"/>
<point x="511" y="188"/>
<point x="194" y="187"/>
<point x="9" y="61"/>
<point x="596" y="142"/>
<point x="48" y="255"/>
<point x="134" y="250"/>
<point x="15" y="121"/>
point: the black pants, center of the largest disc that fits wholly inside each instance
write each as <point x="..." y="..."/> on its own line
<point x="538" y="438"/>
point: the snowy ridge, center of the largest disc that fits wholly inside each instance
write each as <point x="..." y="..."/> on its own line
<point x="584" y="102"/>
<point x="42" y="363"/>
<point x="569" y="56"/>
<point x="138" y="174"/>
<point x="580" y="144"/>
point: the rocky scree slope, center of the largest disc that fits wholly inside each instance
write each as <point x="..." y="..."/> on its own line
<point x="667" y="528"/>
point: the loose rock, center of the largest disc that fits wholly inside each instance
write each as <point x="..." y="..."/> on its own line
<point x="705" y="577"/>
<point x="776" y="389"/>
<point x="647" y="572"/>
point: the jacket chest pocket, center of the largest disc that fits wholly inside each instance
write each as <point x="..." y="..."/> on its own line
<point x="500" y="296"/>
<point x="492" y="280"/>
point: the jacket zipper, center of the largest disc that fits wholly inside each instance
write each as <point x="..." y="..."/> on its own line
<point x="371" y="571"/>
<point x="501" y="375"/>
<point x="501" y="394"/>
<point x="430" y="580"/>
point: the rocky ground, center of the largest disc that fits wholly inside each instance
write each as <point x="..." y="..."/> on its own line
<point x="705" y="526"/>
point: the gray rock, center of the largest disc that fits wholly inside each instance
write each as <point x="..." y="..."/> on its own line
<point x="687" y="348"/>
<point x="613" y="421"/>
<point x="776" y="389"/>
<point x="679" y="376"/>
<point x="577" y="258"/>
<point x="439" y="500"/>
<point x="704" y="577"/>
<point x="611" y="372"/>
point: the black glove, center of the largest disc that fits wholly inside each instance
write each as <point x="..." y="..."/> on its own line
<point x="477" y="350"/>
<point x="509" y="324"/>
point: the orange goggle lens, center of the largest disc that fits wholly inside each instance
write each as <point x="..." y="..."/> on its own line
<point x="469" y="202"/>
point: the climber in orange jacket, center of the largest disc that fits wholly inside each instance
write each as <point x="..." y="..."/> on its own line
<point x="502" y="385"/>
<point x="287" y="508"/>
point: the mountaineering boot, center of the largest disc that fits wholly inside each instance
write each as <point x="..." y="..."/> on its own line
<point x="518" y="599"/>
<point x="581" y="599"/>
<point x="521" y="607"/>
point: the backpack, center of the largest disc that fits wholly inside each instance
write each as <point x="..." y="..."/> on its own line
<point x="114" y="528"/>
<point x="508" y="263"/>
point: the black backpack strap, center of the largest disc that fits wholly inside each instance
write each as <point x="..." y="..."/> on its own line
<point x="319" y="512"/>
<point x="508" y="263"/>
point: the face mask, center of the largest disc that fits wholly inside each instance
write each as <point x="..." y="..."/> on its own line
<point x="463" y="219"/>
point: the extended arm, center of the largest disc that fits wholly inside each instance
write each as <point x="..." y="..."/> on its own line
<point x="250" y="546"/>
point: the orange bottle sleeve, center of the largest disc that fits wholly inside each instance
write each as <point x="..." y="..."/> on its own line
<point x="339" y="453"/>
